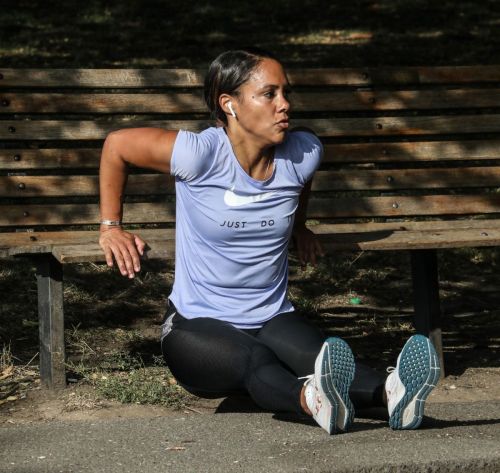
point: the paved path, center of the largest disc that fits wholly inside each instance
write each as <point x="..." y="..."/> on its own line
<point x="454" y="437"/>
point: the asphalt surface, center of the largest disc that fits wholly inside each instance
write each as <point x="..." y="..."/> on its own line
<point x="453" y="438"/>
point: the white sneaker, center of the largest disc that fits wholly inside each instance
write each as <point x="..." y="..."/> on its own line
<point x="409" y="384"/>
<point x="327" y="390"/>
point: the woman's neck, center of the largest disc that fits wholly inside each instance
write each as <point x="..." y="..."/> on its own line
<point x="253" y="158"/>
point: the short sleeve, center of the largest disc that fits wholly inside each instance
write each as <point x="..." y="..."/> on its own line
<point x="193" y="153"/>
<point x="305" y="151"/>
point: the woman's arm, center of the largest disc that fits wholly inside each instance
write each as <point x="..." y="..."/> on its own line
<point x="143" y="147"/>
<point x="305" y="241"/>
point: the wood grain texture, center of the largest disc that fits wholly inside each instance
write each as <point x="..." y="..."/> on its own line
<point x="337" y="127"/>
<point x="132" y="78"/>
<point x="302" y="101"/>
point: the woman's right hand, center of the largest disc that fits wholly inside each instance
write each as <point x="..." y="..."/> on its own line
<point x="125" y="247"/>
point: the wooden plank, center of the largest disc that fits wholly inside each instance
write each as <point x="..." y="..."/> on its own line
<point x="483" y="225"/>
<point x="407" y="240"/>
<point x="84" y="214"/>
<point x="378" y="240"/>
<point x="373" y="236"/>
<point x="66" y="158"/>
<point x="21" y="159"/>
<point x="394" y="75"/>
<point x="334" y="127"/>
<point x="89" y="78"/>
<point x="400" y="206"/>
<point x="52" y="186"/>
<point x="155" y="249"/>
<point x="302" y="101"/>
<point x="86" y="129"/>
<point x="132" y="78"/>
<point x="398" y="179"/>
<point x="167" y="102"/>
<point x="396" y="206"/>
<point x="22" y="243"/>
<point x="161" y="184"/>
<point x="410" y="151"/>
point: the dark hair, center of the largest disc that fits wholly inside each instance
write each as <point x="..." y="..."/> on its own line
<point x="227" y="73"/>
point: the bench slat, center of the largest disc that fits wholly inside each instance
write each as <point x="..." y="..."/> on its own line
<point x="400" y="206"/>
<point x="43" y="242"/>
<point x="377" y="126"/>
<point x="51" y="186"/>
<point x="127" y="78"/>
<point x="382" y="240"/>
<point x="333" y="101"/>
<point x="410" y="151"/>
<point x="64" y="158"/>
<point x="396" y="206"/>
<point x="161" y="184"/>
<point x="396" y="179"/>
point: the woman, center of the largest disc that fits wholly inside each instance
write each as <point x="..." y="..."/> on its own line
<point x="242" y="191"/>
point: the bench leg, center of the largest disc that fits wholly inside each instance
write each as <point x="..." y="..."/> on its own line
<point x="425" y="277"/>
<point x="49" y="276"/>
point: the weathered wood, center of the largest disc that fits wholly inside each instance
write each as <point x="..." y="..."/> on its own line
<point x="65" y="158"/>
<point x="396" y="179"/>
<point x="425" y="279"/>
<point x="302" y="101"/>
<point x="126" y="78"/>
<point x="49" y="276"/>
<point x="401" y="206"/>
<point x="410" y="239"/>
<point x="45" y="186"/>
<point x="396" y="206"/>
<point x="26" y="243"/>
<point x="410" y="151"/>
<point x="160" y="184"/>
<point x="163" y="249"/>
<point x="364" y="236"/>
<point x="53" y="158"/>
<point x="107" y="78"/>
<point x="363" y="126"/>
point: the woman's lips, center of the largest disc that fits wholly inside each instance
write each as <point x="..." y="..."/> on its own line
<point x="283" y="124"/>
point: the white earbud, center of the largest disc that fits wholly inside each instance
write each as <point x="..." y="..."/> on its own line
<point x="230" y="106"/>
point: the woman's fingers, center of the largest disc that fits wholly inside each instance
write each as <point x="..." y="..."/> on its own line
<point x="308" y="249"/>
<point x="125" y="248"/>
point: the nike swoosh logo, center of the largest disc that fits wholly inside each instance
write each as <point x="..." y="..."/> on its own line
<point x="232" y="199"/>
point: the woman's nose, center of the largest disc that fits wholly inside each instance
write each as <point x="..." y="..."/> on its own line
<point x="284" y="105"/>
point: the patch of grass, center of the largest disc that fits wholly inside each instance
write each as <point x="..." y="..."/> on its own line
<point x="6" y="362"/>
<point x="127" y="379"/>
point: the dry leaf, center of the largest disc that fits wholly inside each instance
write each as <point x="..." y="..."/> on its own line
<point x="7" y="372"/>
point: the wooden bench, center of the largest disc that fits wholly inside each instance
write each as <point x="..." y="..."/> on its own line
<point x="411" y="163"/>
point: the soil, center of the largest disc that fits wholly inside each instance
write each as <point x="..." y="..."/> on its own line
<point x="79" y="403"/>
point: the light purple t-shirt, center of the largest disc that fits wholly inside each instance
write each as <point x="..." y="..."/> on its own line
<point x="232" y="231"/>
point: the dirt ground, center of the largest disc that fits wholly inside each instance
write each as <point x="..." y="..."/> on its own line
<point x="79" y="403"/>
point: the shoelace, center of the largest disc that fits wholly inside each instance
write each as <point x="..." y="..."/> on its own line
<point x="307" y="378"/>
<point x="390" y="369"/>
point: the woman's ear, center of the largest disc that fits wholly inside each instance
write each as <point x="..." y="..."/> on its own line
<point x="226" y="103"/>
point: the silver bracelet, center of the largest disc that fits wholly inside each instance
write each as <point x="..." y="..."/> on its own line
<point x="111" y="223"/>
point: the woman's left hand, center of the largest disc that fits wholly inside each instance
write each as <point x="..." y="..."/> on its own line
<point x="307" y="245"/>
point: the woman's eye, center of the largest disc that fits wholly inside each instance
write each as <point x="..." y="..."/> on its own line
<point x="269" y="95"/>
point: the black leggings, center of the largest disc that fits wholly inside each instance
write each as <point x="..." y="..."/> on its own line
<point x="210" y="359"/>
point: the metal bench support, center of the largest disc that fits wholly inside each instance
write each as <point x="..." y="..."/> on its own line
<point x="425" y="277"/>
<point x="49" y="274"/>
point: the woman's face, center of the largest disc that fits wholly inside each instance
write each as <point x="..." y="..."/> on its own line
<point x="262" y="107"/>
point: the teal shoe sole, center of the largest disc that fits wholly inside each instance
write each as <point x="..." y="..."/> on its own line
<point x="337" y="375"/>
<point x="419" y="372"/>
